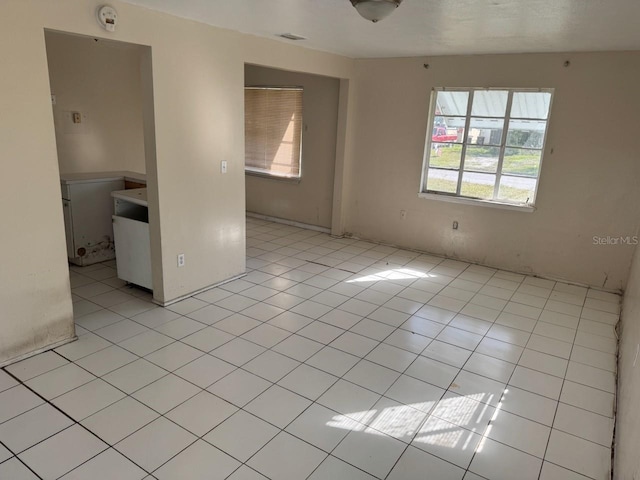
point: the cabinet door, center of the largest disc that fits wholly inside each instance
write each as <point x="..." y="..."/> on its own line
<point x="68" y="228"/>
<point x="133" y="255"/>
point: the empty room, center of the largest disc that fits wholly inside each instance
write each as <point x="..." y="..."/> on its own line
<point x="320" y="239"/>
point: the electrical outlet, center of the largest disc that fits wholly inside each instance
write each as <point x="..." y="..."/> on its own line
<point x="181" y="260"/>
<point x="403" y="214"/>
<point x="455" y="224"/>
<point x="223" y="166"/>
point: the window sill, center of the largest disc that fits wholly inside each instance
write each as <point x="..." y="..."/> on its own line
<point x="273" y="177"/>
<point x="480" y="203"/>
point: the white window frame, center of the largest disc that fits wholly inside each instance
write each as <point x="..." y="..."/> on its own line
<point x="271" y="175"/>
<point x="457" y="197"/>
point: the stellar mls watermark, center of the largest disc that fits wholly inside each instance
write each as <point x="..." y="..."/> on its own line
<point x="622" y="240"/>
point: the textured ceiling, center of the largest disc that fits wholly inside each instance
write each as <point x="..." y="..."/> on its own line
<point x="427" y="27"/>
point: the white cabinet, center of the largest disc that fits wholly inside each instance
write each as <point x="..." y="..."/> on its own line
<point x="88" y="207"/>
<point x="131" y="234"/>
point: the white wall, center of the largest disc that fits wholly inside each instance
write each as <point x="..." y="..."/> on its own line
<point x="626" y="460"/>
<point x="101" y="80"/>
<point x="35" y="303"/>
<point x="309" y="200"/>
<point x="588" y="186"/>
<point x="198" y="106"/>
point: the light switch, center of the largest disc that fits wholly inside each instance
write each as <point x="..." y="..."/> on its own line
<point x="223" y="166"/>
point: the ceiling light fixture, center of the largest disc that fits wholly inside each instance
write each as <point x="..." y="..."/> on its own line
<point x="375" y="10"/>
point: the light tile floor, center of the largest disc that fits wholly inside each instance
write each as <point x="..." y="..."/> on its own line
<point x="331" y="359"/>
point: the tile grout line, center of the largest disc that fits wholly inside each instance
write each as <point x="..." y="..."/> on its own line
<point x="483" y="435"/>
<point x="240" y="292"/>
<point x="47" y="402"/>
<point x="555" y="413"/>
<point x="15" y="455"/>
<point x="378" y="306"/>
<point x="360" y="358"/>
<point x="523" y="351"/>
<point x="240" y="408"/>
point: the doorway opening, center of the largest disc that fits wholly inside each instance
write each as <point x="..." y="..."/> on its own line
<point x="102" y="101"/>
<point x="290" y="161"/>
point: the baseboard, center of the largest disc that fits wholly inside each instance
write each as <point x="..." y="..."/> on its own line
<point x="196" y="292"/>
<point x="24" y="356"/>
<point x="292" y="223"/>
<point x="528" y="274"/>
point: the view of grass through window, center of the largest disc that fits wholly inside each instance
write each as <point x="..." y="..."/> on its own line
<point x="487" y="144"/>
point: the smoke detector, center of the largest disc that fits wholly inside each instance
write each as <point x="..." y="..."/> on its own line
<point x="107" y="17"/>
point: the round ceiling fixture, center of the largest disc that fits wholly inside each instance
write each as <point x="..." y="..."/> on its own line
<point x="375" y="10"/>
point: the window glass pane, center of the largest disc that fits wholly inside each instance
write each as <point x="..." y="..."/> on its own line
<point x="482" y="159"/>
<point x="485" y="131"/>
<point x="530" y="105"/>
<point x="517" y="189"/>
<point x="452" y="103"/>
<point x="442" y="180"/>
<point x="448" y="129"/>
<point x="473" y="122"/>
<point x="442" y="134"/>
<point x="445" y="155"/>
<point x="478" y="185"/>
<point x="526" y="133"/>
<point x="489" y="103"/>
<point x="518" y="161"/>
